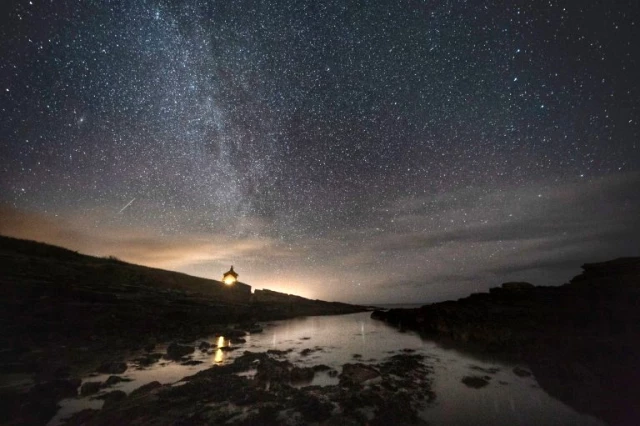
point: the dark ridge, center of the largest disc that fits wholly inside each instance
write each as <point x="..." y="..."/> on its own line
<point x="581" y="339"/>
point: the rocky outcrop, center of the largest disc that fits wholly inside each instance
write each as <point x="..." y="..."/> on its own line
<point x="64" y="313"/>
<point x="581" y="339"/>
<point x="176" y="351"/>
<point x="219" y="395"/>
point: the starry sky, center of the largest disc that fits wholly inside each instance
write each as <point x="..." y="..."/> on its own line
<point x="360" y="151"/>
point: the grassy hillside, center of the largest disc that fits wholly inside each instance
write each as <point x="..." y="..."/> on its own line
<point x="28" y="262"/>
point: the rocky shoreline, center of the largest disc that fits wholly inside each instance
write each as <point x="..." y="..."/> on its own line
<point x="582" y="339"/>
<point x="64" y="315"/>
<point x="266" y="389"/>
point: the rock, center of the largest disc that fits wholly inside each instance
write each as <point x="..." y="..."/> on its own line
<point x="517" y="286"/>
<point x="313" y="410"/>
<point x="144" y="389"/>
<point x="306" y="352"/>
<point x="255" y="329"/>
<point x="191" y="362"/>
<point x="176" y="351"/>
<point x="321" y="367"/>
<point x="112" y="380"/>
<point x="475" y="382"/>
<point x="301" y="374"/>
<point x="238" y="340"/>
<point x="277" y="352"/>
<point x="273" y="370"/>
<point x="356" y="356"/>
<point x="148" y="359"/>
<point x="113" y="367"/>
<point x="379" y="315"/>
<point x="357" y="373"/>
<point x="113" y="398"/>
<point x="89" y="388"/>
<point x="204" y="346"/>
<point x="521" y="372"/>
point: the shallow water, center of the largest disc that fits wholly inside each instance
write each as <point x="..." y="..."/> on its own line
<point x="334" y="340"/>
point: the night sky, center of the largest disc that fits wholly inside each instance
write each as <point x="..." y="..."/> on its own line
<point x="370" y="151"/>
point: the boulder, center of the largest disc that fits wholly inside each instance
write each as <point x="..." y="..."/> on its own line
<point x="302" y="374"/>
<point x="475" y="382"/>
<point x="144" y="389"/>
<point x="521" y="372"/>
<point x="112" y="380"/>
<point x="357" y="373"/>
<point x="113" y="398"/>
<point x="177" y="351"/>
<point x="89" y="388"/>
<point x="113" y="367"/>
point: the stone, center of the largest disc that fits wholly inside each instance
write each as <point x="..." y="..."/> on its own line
<point x="89" y="388"/>
<point x="521" y="372"/>
<point x="302" y="374"/>
<point x="113" y="367"/>
<point x="113" y="398"/>
<point x="144" y="389"/>
<point x="475" y="382"/>
<point x="176" y="351"/>
<point x="357" y="374"/>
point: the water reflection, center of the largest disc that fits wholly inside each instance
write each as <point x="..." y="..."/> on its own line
<point x="333" y="340"/>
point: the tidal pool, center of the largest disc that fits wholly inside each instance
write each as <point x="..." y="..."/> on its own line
<point x="505" y="399"/>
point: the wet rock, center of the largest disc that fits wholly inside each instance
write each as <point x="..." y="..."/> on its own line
<point x="144" y="389"/>
<point x="248" y="360"/>
<point x="306" y="352"/>
<point x="112" y="380"/>
<point x="356" y="356"/>
<point x="191" y="362"/>
<point x="89" y="388"/>
<point x="312" y="408"/>
<point x="176" y="351"/>
<point x="204" y="346"/>
<point x="475" y="382"/>
<point x="148" y="359"/>
<point x="357" y="373"/>
<point x="81" y="417"/>
<point x="273" y="370"/>
<point x="321" y="367"/>
<point x="301" y="374"/>
<point x="238" y="340"/>
<point x="379" y="315"/>
<point x="113" y="367"/>
<point x="277" y="352"/>
<point x="492" y="370"/>
<point x="521" y="372"/>
<point x="113" y="398"/>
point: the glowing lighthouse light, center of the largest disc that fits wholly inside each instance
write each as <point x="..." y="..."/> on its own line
<point x="230" y="277"/>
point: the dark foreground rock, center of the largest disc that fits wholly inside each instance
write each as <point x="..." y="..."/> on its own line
<point x="218" y="395"/>
<point x="581" y="340"/>
<point x="64" y="315"/>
